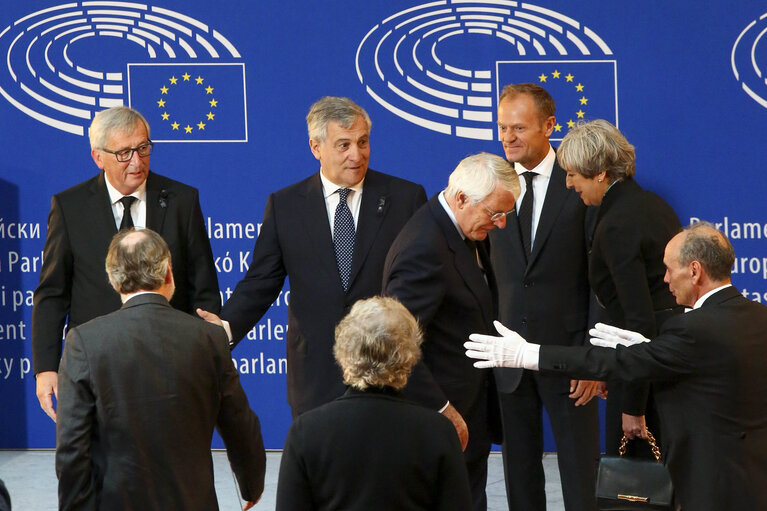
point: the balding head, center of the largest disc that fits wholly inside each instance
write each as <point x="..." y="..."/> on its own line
<point x="698" y="260"/>
<point x="138" y="261"/>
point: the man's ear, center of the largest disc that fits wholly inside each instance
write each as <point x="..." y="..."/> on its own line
<point x="96" y="155"/>
<point x="315" y="148"/>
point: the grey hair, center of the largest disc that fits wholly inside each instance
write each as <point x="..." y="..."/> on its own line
<point x="137" y="261"/>
<point x="595" y="146"/>
<point x="333" y="108"/>
<point x="377" y="344"/>
<point x="710" y="247"/>
<point x="119" y="119"/>
<point x="478" y="175"/>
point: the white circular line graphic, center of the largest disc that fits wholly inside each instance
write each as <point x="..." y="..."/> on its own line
<point x="405" y="64"/>
<point x="749" y="60"/>
<point x="40" y="79"/>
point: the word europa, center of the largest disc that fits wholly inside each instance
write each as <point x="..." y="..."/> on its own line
<point x="9" y="365"/>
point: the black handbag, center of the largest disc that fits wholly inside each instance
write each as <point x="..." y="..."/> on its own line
<point x="626" y="484"/>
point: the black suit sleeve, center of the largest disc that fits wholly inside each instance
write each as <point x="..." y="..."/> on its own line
<point x="75" y="429"/>
<point x="263" y="281"/>
<point x="240" y="429"/>
<point x="53" y="294"/>
<point x="624" y="259"/>
<point x="202" y="278"/>
<point x="415" y="277"/>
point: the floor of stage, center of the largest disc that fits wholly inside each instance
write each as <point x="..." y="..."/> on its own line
<point x="31" y="480"/>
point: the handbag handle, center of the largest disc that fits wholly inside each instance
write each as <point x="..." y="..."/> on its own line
<point x="650" y="440"/>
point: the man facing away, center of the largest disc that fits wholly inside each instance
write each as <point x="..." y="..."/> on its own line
<point x="73" y="288"/>
<point x="140" y="392"/>
<point x="329" y="234"/>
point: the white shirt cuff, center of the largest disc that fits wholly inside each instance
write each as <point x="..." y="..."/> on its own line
<point x="228" y="330"/>
<point x="530" y="356"/>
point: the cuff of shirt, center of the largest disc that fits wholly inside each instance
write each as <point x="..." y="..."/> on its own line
<point x="530" y="356"/>
<point x="442" y="410"/>
<point x="228" y="330"/>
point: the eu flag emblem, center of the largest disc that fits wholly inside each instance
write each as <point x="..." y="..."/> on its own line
<point x="191" y="102"/>
<point x="583" y="90"/>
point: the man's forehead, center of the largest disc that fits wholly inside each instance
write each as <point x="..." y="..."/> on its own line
<point x="137" y="131"/>
<point x="358" y="129"/>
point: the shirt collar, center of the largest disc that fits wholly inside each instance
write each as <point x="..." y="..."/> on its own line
<point x="329" y="187"/>
<point x="114" y="195"/>
<point x="703" y="298"/>
<point x="544" y="168"/>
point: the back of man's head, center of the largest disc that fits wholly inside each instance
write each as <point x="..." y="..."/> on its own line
<point x="710" y="247"/>
<point x="137" y="261"/>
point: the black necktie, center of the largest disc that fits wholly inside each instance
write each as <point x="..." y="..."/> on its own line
<point x="526" y="212"/>
<point x="343" y="237"/>
<point x="127" y="221"/>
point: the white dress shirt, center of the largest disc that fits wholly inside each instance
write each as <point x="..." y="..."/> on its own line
<point x="138" y="208"/>
<point x="540" y="185"/>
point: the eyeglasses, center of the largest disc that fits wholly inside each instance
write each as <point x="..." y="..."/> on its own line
<point x="494" y="217"/>
<point x="126" y="154"/>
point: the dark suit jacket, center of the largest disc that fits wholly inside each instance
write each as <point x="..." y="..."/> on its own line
<point x="295" y="241"/>
<point x="140" y="391"/>
<point x="434" y="274"/>
<point x="73" y="282"/>
<point x="372" y="450"/>
<point x="711" y="389"/>
<point x="626" y="268"/>
<point x="545" y="298"/>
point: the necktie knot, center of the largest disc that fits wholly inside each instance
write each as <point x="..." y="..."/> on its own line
<point x="343" y="193"/>
<point x="127" y="221"/>
<point x="529" y="178"/>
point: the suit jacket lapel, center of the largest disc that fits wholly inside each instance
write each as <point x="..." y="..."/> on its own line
<point x="157" y="200"/>
<point x="465" y="262"/>
<point x="373" y="210"/>
<point x="100" y="209"/>
<point x="311" y="204"/>
<point x="556" y="194"/>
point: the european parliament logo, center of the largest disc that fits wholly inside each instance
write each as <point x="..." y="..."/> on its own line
<point x="66" y="62"/>
<point x="747" y="61"/>
<point x="441" y="65"/>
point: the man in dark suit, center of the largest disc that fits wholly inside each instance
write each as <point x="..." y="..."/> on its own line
<point x="83" y="220"/>
<point x="140" y="391"/>
<point x="329" y="235"/>
<point x="707" y="367"/>
<point x="438" y="267"/>
<point x="371" y="449"/>
<point x="540" y="263"/>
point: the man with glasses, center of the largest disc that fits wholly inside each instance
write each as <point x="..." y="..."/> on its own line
<point x="540" y="262"/>
<point x="73" y="288"/>
<point x="439" y="268"/>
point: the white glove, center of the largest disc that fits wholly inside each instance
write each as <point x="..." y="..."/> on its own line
<point x="491" y="351"/>
<point x="610" y="336"/>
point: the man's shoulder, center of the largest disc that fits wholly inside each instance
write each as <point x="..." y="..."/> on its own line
<point x="159" y="182"/>
<point x="77" y="191"/>
<point x="395" y="183"/>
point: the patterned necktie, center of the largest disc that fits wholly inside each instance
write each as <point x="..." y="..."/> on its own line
<point x="343" y="237"/>
<point x="127" y="221"/>
<point x="526" y="213"/>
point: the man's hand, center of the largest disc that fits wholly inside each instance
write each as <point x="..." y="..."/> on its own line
<point x="634" y="426"/>
<point x="460" y="425"/>
<point x="47" y="387"/>
<point x="209" y="317"/>
<point x="610" y="336"/>
<point x="583" y="390"/>
<point x="504" y="351"/>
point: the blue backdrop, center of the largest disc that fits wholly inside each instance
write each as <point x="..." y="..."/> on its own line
<point x="226" y="87"/>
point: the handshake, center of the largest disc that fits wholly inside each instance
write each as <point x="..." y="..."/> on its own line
<point x="510" y="349"/>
